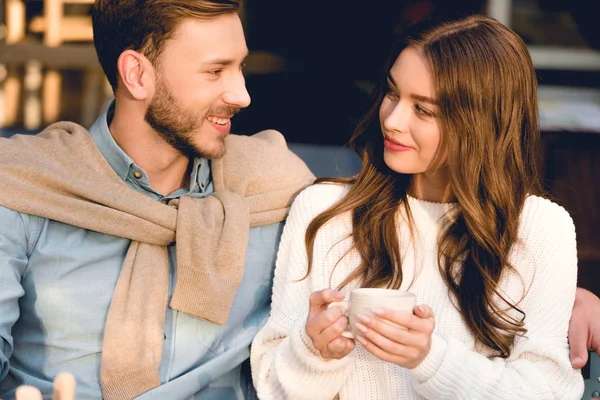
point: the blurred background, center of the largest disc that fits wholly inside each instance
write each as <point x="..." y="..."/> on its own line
<point x="310" y="71"/>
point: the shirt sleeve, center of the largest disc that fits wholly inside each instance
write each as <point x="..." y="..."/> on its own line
<point x="284" y="362"/>
<point x="539" y="365"/>
<point x="13" y="262"/>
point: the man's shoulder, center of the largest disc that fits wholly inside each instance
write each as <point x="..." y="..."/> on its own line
<point x="264" y="163"/>
<point x="265" y="148"/>
<point x="20" y="227"/>
<point x="269" y="138"/>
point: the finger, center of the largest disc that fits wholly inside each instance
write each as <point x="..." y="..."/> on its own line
<point x="578" y="335"/>
<point x="334" y="330"/>
<point x="319" y="300"/>
<point x="391" y="331"/>
<point x="322" y="334"/>
<point x="322" y="320"/>
<point x="377" y="351"/>
<point x="340" y="347"/>
<point x="388" y="346"/>
<point x="28" y="393"/>
<point x="64" y="387"/>
<point x="423" y="311"/>
<point x="409" y="321"/>
<point x="596" y="346"/>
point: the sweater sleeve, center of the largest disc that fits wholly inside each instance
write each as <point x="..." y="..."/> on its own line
<point x="13" y="263"/>
<point x="539" y="366"/>
<point x="284" y="362"/>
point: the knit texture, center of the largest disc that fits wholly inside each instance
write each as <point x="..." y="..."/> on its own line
<point x="61" y="175"/>
<point x="286" y="365"/>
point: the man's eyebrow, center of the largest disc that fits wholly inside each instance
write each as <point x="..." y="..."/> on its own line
<point x="223" y="61"/>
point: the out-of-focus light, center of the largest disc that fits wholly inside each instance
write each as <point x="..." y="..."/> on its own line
<point x="3" y="72"/>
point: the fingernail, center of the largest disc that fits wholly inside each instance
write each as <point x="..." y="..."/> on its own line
<point x="420" y="309"/>
<point x="361" y="340"/>
<point x="378" y="311"/>
<point x="364" y="318"/>
<point x="337" y="294"/>
<point x="361" y="327"/>
<point x="576" y="360"/>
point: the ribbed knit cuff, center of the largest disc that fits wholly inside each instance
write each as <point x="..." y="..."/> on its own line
<point x="303" y="348"/>
<point x="432" y="361"/>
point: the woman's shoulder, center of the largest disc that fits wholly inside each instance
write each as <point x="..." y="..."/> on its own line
<point x="544" y="220"/>
<point x="543" y="211"/>
<point x="323" y="195"/>
<point x="319" y="197"/>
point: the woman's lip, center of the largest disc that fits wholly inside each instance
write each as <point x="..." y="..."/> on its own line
<point x="395" y="146"/>
<point x="397" y="143"/>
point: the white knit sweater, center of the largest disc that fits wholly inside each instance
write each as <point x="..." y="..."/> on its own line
<point x="285" y="365"/>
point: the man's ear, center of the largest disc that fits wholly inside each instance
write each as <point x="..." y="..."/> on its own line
<point x="136" y="75"/>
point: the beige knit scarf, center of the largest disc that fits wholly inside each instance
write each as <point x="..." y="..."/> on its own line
<point x="60" y="174"/>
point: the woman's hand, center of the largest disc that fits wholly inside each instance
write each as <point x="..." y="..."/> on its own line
<point x="398" y="337"/>
<point x="325" y="325"/>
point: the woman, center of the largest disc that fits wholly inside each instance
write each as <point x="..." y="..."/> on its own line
<point x="444" y="207"/>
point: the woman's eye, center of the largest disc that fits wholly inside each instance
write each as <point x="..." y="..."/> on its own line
<point x="391" y="94"/>
<point x="422" y="111"/>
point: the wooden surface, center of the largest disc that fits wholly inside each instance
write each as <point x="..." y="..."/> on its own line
<point x="83" y="56"/>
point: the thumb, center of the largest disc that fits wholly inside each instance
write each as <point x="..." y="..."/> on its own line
<point x="319" y="300"/>
<point x="578" y="347"/>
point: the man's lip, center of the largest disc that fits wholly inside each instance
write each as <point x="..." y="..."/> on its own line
<point x="229" y="116"/>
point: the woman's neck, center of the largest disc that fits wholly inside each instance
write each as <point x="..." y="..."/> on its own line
<point x="431" y="186"/>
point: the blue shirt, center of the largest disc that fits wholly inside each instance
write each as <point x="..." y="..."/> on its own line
<point x="56" y="286"/>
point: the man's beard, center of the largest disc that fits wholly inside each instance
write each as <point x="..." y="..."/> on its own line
<point x="177" y="126"/>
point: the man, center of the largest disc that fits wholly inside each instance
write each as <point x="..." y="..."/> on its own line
<point x="126" y="256"/>
<point x="71" y="238"/>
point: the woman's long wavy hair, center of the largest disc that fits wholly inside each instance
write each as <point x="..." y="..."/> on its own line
<point x="486" y="88"/>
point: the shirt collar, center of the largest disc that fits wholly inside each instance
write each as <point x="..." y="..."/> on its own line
<point x="122" y="164"/>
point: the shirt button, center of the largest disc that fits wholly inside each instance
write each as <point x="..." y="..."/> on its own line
<point x="165" y="336"/>
<point x="202" y="185"/>
<point x="137" y="174"/>
<point x="165" y="201"/>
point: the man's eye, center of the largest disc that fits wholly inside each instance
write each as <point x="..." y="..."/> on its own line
<point x="215" y="72"/>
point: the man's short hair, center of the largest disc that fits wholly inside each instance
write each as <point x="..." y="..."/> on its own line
<point x="144" y="26"/>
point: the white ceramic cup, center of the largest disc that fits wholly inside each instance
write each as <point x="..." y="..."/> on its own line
<point x="363" y="300"/>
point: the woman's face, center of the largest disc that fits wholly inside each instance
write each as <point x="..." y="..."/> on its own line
<point x="408" y="115"/>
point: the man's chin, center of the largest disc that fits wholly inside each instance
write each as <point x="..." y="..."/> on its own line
<point x="214" y="153"/>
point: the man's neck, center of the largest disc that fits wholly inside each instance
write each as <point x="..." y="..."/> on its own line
<point x="167" y="169"/>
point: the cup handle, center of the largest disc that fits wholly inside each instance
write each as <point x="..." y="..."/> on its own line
<point x="344" y="306"/>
